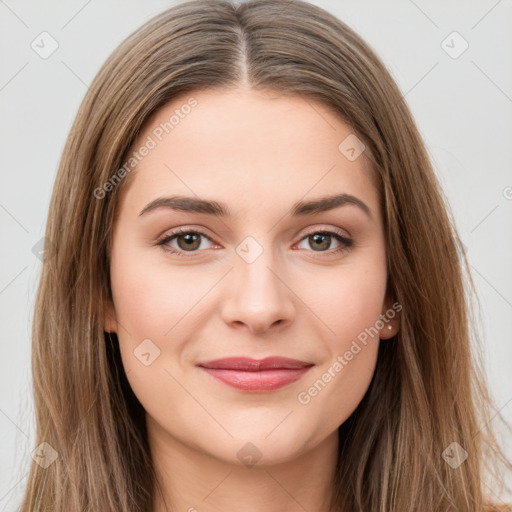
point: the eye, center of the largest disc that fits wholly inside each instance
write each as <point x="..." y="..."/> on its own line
<point x="187" y="240"/>
<point x="321" y="241"/>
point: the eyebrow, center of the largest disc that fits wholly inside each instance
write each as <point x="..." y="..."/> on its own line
<point x="208" y="207"/>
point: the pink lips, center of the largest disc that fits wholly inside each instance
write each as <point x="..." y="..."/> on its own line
<point x="256" y="375"/>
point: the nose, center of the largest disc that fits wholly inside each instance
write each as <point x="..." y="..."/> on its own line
<point x="259" y="298"/>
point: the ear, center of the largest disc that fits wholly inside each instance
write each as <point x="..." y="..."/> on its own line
<point x="390" y="315"/>
<point x="109" y="318"/>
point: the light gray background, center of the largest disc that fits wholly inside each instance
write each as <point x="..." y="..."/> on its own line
<point x="463" y="108"/>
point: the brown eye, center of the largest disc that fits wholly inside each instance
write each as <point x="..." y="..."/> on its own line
<point x="182" y="241"/>
<point x="189" y="241"/>
<point x="320" y="241"/>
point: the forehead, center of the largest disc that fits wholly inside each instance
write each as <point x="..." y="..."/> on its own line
<point x="248" y="147"/>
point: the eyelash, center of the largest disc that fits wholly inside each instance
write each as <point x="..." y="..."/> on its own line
<point x="345" y="242"/>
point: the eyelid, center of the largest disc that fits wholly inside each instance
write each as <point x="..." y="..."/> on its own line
<point x="324" y="229"/>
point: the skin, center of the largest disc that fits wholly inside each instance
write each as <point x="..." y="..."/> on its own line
<point x="259" y="153"/>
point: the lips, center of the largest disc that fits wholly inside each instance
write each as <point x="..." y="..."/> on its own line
<point x="256" y="375"/>
<point x="253" y="365"/>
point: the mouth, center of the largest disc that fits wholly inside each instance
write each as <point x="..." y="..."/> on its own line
<point x="256" y="375"/>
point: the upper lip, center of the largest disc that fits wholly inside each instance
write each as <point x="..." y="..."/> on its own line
<point x="254" y="365"/>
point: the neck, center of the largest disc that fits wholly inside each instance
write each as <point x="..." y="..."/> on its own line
<point x="194" y="481"/>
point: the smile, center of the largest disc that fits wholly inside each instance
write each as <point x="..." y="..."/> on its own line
<point x="256" y="375"/>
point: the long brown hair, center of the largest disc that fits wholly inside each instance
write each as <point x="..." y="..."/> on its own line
<point x="428" y="390"/>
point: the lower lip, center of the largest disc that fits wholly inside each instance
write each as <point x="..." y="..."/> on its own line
<point x="265" y="380"/>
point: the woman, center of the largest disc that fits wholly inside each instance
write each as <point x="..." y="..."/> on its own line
<point x="256" y="300"/>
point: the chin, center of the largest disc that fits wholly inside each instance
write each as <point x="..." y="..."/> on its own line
<point x="260" y="449"/>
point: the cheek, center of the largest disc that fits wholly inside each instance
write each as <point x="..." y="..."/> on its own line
<point x="350" y="311"/>
<point x="151" y="304"/>
<point x="157" y="308"/>
<point x="346" y="300"/>
<point x="152" y="298"/>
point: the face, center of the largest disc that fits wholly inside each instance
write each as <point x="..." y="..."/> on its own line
<point x="256" y="272"/>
